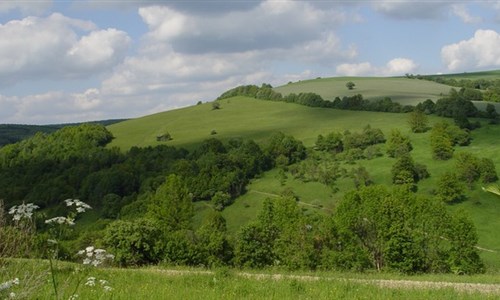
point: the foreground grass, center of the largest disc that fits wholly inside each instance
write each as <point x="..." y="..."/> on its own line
<point x="161" y="283"/>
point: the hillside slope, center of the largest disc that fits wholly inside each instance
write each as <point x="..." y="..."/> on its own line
<point x="399" y="89"/>
<point x="243" y="117"/>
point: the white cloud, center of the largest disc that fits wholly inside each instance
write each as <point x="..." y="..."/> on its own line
<point x="461" y="11"/>
<point x="395" y="67"/>
<point x="52" y="48"/>
<point x="480" y="51"/>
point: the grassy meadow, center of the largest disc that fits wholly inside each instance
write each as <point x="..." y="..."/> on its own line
<point x="399" y="89"/>
<point x="184" y="283"/>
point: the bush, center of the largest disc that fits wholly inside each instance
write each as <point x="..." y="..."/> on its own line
<point x="133" y="243"/>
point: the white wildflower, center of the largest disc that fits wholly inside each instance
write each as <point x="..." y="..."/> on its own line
<point x="107" y="288"/>
<point x="12" y="295"/>
<point x="8" y="284"/>
<point x="80" y="205"/>
<point x="73" y="297"/>
<point x="61" y="221"/>
<point x="90" y="281"/>
<point x="103" y="282"/>
<point x="22" y="211"/>
<point x="94" y="257"/>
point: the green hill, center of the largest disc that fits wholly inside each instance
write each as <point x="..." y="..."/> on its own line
<point x="399" y="89"/>
<point x="244" y="117"/>
<point x="255" y="119"/>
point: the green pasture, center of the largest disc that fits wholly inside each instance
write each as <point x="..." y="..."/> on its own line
<point x="243" y="117"/>
<point x="399" y="89"/>
<point x="35" y="282"/>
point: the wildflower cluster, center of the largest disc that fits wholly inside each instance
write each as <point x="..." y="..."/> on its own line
<point x="61" y="221"/>
<point x="80" y="205"/>
<point x="8" y="284"/>
<point x="95" y="257"/>
<point x="22" y="211"/>
<point x="91" y="282"/>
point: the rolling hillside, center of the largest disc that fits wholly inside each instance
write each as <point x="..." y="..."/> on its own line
<point x="399" y="89"/>
<point x="243" y="117"/>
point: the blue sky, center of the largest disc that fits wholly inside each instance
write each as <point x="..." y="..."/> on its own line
<point x="73" y="61"/>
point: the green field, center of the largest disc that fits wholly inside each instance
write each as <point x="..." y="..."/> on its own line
<point x="399" y="89"/>
<point x="243" y="117"/>
<point x="161" y="283"/>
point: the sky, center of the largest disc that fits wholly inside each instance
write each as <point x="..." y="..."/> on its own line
<point x="77" y="61"/>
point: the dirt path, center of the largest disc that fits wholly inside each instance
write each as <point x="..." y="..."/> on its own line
<point x="483" y="288"/>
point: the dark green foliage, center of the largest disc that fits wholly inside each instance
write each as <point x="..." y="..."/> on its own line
<point x="221" y="200"/>
<point x="441" y="143"/>
<point x="281" y="236"/>
<point x="418" y="121"/>
<point x="398" y="145"/>
<point x="361" y="177"/>
<point x="488" y="171"/>
<point x="331" y="143"/>
<point x="213" y="248"/>
<point x="134" y="242"/>
<point x="287" y="147"/>
<point x="171" y="206"/>
<point x="427" y="107"/>
<point x="449" y="188"/>
<point x="399" y="232"/>
<point x="464" y="258"/>
<point x="468" y="168"/>
<point x="406" y="172"/>
<point x="215" y="105"/>
<point x="369" y="136"/>
<point x="350" y="85"/>
<point x="471" y="168"/>
<point x="164" y="137"/>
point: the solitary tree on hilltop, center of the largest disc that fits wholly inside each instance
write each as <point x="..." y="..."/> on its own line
<point x="350" y="85"/>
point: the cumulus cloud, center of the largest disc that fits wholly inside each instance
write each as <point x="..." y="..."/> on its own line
<point x="397" y="66"/>
<point x="52" y="48"/>
<point x="272" y="24"/>
<point x="480" y="51"/>
<point x="47" y="107"/>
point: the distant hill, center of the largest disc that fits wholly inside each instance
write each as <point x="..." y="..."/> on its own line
<point x="399" y="89"/>
<point x="12" y="133"/>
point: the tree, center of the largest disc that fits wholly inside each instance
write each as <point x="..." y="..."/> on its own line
<point x="215" y="105"/>
<point x="171" y="206"/>
<point x="398" y="144"/>
<point x="350" y="85"/>
<point x="441" y="144"/>
<point x="449" y="188"/>
<point x="464" y="258"/>
<point x="213" y="248"/>
<point x="134" y="242"/>
<point x="418" y="121"/>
